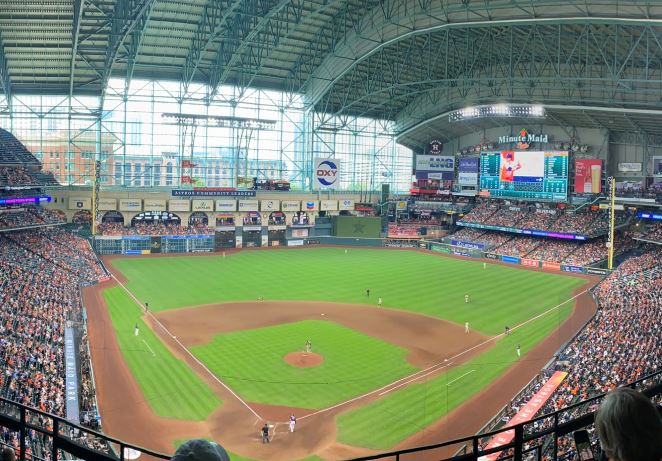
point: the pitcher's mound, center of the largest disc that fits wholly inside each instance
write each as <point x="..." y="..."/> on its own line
<point x="303" y="359"/>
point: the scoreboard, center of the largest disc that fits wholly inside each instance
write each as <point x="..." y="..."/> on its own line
<point x="525" y="175"/>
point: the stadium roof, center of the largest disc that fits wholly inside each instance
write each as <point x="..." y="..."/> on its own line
<point x="404" y="60"/>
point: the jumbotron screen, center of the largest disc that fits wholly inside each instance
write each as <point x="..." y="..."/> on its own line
<point x="534" y="175"/>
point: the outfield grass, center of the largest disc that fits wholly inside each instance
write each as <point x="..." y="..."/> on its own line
<point x="404" y="412"/>
<point x="251" y="362"/>
<point x="408" y="280"/>
<point x="170" y="387"/>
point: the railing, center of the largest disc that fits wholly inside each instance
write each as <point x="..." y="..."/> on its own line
<point x="62" y="439"/>
<point x="531" y="439"/>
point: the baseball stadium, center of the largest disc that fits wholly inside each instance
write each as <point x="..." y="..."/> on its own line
<point x="324" y="230"/>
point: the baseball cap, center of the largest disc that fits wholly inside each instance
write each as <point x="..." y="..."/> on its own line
<point x="200" y="450"/>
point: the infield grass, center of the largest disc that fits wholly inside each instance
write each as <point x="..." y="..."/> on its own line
<point x="251" y="362"/>
<point x="169" y="386"/>
<point x="407" y="280"/>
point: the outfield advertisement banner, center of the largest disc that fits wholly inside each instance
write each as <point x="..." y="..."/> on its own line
<point x="211" y="192"/>
<point x="596" y="271"/>
<point x="150" y="204"/>
<point x="491" y="256"/>
<point x="462" y="253"/>
<point x="71" y="376"/>
<point x="290" y="205"/>
<point x="568" y="268"/>
<point x="80" y="203"/>
<point x="440" y="249"/>
<point x="226" y="205"/>
<point x="510" y="259"/>
<point x="155" y="244"/>
<point x="471" y="245"/>
<point x="295" y="243"/>
<point x="326" y="173"/>
<point x="530" y="262"/>
<point x="179" y="205"/>
<point x="525" y="413"/>
<point x="107" y="204"/>
<point x="550" y="265"/>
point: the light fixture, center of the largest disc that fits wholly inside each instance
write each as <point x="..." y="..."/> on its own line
<point x="498" y="110"/>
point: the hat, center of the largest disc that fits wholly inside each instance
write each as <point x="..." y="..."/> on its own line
<point x="200" y="450"/>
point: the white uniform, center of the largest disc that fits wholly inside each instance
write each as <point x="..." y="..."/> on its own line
<point x="519" y="351"/>
<point x="484" y="265"/>
<point x="466" y="327"/>
<point x="136" y="331"/>
<point x="379" y="301"/>
<point x="293" y="422"/>
<point x="466" y="298"/>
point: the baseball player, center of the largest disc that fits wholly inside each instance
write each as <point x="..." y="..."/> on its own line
<point x="293" y="422"/>
<point x="136" y="331"/>
<point x="484" y="266"/>
<point x="466" y="327"/>
<point x="519" y="351"/>
<point x="379" y="301"/>
<point x="265" y="433"/>
<point x="367" y="292"/>
<point x="466" y="299"/>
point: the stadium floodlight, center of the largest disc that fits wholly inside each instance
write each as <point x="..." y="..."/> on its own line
<point x="498" y="110"/>
<point x="219" y="121"/>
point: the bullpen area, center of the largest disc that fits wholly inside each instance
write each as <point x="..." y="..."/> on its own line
<point x="346" y="340"/>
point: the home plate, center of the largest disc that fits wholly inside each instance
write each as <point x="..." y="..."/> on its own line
<point x="130" y="453"/>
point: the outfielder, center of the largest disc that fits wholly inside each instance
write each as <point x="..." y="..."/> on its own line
<point x="466" y="299"/>
<point x="466" y="327"/>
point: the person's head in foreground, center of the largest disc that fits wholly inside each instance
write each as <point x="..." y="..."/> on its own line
<point x="629" y="426"/>
<point x="200" y="450"/>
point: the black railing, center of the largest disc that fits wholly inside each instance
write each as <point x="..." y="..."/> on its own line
<point x="532" y="440"/>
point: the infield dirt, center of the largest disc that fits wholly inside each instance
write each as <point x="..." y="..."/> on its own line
<point x="235" y="424"/>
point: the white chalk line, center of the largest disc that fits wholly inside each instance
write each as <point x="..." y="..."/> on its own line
<point x="446" y="364"/>
<point x="460" y="377"/>
<point x="413" y="377"/>
<point x="187" y="351"/>
<point x="150" y="349"/>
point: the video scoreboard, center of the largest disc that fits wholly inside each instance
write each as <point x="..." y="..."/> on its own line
<point x="537" y="175"/>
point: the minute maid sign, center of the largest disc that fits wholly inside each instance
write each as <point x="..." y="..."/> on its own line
<point x="524" y="139"/>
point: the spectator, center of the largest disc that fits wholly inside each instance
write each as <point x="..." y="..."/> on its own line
<point x="200" y="450"/>
<point x="629" y="426"/>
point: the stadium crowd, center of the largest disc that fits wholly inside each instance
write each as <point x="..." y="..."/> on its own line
<point x="153" y="228"/>
<point x="29" y="216"/>
<point x="40" y="273"/>
<point x="16" y="176"/>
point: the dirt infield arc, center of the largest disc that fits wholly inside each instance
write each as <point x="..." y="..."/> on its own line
<point x="127" y="415"/>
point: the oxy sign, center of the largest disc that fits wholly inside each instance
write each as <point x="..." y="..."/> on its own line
<point x="326" y="174"/>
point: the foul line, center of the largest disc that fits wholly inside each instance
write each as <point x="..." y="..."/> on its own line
<point x="460" y="377"/>
<point x="446" y="364"/>
<point x="186" y="350"/>
<point x="150" y="349"/>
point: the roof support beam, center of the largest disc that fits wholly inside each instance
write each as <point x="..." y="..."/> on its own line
<point x="126" y="17"/>
<point x="5" y="81"/>
<point x="133" y="49"/>
<point x="79" y="5"/>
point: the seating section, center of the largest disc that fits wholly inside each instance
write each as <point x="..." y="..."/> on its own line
<point x="40" y="274"/>
<point x="13" y="152"/>
<point x="153" y="228"/>
<point x="29" y="216"/>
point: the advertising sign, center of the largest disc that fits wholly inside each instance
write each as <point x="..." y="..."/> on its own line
<point x="567" y="268"/>
<point x="226" y="205"/>
<point x="629" y="167"/>
<point x="588" y="176"/>
<point x="248" y="205"/>
<point x="309" y="205"/>
<point x="179" y="205"/>
<point x="596" y="271"/>
<point x="346" y="205"/>
<point x="290" y="205"/>
<point x="203" y="205"/>
<point x="510" y="259"/>
<point x="211" y="192"/>
<point x="299" y="233"/>
<point x="462" y="253"/>
<point x="329" y="205"/>
<point x="80" y="203"/>
<point x="270" y="205"/>
<point x="440" y="249"/>
<point x="433" y="163"/>
<point x="491" y="256"/>
<point x="468" y="171"/>
<point x="295" y="243"/>
<point x="151" y="204"/>
<point x="71" y="376"/>
<point x="107" y="204"/>
<point x="551" y="266"/>
<point x="326" y="173"/>
<point x="131" y="204"/>
<point x="472" y="245"/>
<point x="530" y="262"/>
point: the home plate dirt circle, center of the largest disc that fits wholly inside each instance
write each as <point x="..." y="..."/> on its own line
<point x="303" y="359"/>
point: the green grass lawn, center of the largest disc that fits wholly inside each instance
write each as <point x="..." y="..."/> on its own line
<point x="251" y="362"/>
<point x="410" y="409"/>
<point x="413" y="281"/>
<point x="170" y="387"/>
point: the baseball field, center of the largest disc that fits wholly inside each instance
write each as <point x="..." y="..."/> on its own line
<point x="221" y="348"/>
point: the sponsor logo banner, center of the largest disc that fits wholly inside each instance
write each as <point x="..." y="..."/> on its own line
<point x="588" y="176"/>
<point x="301" y="233"/>
<point x="472" y="245"/>
<point x="155" y="244"/>
<point x="510" y="259"/>
<point x="525" y="413"/>
<point x="567" y="268"/>
<point x="491" y="256"/>
<point x="290" y="205"/>
<point x="295" y="243"/>
<point x="462" y="253"/>
<point x="252" y="228"/>
<point x="309" y="205"/>
<point x="71" y="376"/>
<point x="629" y="167"/>
<point x="468" y="171"/>
<point x="248" y="205"/>
<point x="270" y="205"/>
<point x="80" y="203"/>
<point x="530" y="262"/>
<point x="131" y="204"/>
<point x="401" y="205"/>
<point x="326" y="173"/>
<point x="435" y="163"/>
<point x="550" y="265"/>
<point x="226" y="205"/>
<point x="179" y="205"/>
<point x="346" y="205"/>
<point x="596" y="271"/>
<point x="329" y="205"/>
<point x="203" y="205"/>
<point x="151" y="204"/>
<point x="440" y="249"/>
<point x="239" y="241"/>
<point x="212" y="193"/>
<point x="107" y="204"/>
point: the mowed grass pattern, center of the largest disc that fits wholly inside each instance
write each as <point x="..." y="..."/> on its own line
<point x="413" y="281"/>
<point x="404" y="412"/>
<point x="170" y="387"/>
<point x="251" y="362"/>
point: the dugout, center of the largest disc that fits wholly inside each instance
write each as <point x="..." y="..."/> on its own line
<point x="224" y="239"/>
<point x="251" y="236"/>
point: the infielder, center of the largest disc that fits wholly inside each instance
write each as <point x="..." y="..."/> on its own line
<point x="293" y="422"/>
<point x="466" y="327"/>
